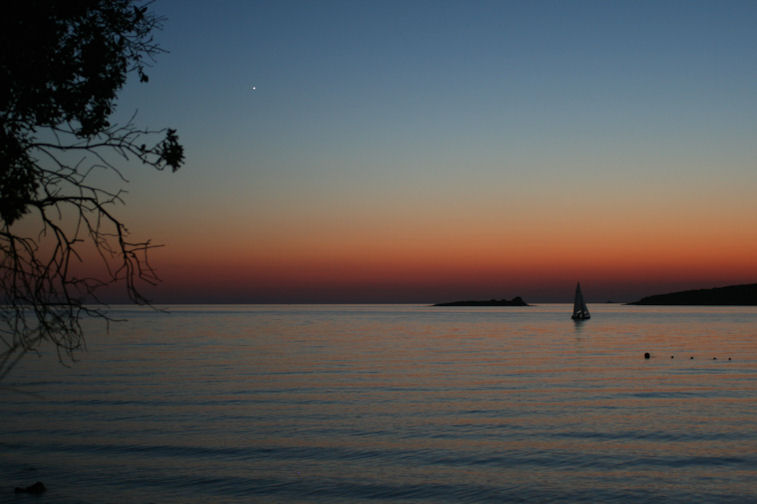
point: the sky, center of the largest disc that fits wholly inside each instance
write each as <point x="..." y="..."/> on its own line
<point x="433" y="151"/>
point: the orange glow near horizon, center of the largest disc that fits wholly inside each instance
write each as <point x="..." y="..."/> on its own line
<point x="337" y="245"/>
<point x="415" y="266"/>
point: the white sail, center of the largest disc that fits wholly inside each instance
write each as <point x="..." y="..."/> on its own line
<point x="580" y="311"/>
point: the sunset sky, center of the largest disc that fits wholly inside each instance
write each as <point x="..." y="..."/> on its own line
<point x="421" y="151"/>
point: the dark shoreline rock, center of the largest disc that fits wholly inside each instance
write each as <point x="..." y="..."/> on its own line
<point x="734" y="295"/>
<point x="516" y="301"/>
<point x="35" y="489"/>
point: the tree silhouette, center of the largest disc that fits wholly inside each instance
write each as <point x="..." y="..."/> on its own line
<point x="61" y="67"/>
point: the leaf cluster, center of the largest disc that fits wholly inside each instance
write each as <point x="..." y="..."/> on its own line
<point x="64" y="64"/>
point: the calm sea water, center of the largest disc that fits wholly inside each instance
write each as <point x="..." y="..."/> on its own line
<point x="392" y="403"/>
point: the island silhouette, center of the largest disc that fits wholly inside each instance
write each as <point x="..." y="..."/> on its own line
<point x="516" y="301"/>
<point x="733" y="295"/>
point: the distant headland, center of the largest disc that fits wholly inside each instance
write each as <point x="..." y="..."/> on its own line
<point x="734" y="295"/>
<point x="516" y="301"/>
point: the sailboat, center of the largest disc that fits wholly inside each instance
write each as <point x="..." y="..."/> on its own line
<point x="580" y="311"/>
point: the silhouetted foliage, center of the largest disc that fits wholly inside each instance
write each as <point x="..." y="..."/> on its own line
<point x="61" y="67"/>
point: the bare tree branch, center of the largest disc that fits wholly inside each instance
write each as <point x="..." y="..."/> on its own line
<point x="65" y="64"/>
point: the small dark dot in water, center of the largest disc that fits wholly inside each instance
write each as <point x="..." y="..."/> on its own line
<point x="646" y="355"/>
<point x="672" y="357"/>
<point x="714" y="358"/>
<point x="691" y="358"/>
<point x="729" y="358"/>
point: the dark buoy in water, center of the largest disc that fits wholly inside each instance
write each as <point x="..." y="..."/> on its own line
<point x="714" y="358"/>
<point x="672" y="356"/>
<point x="691" y="358"/>
<point x="646" y="355"/>
<point x="729" y="358"/>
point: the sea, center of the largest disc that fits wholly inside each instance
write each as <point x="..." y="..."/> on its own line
<point x="390" y="403"/>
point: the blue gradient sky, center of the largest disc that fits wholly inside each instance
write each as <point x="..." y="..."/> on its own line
<point x="413" y="151"/>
